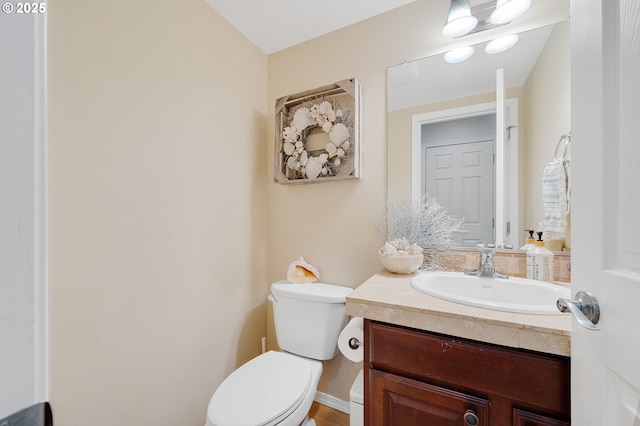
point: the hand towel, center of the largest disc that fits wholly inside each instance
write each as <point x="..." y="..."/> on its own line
<point x="556" y="195"/>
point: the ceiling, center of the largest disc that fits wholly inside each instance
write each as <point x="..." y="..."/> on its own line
<point x="273" y="25"/>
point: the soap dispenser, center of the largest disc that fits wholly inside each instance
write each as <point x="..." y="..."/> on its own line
<point x="530" y="255"/>
<point x="540" y="262"/>
<point x="531" y="241"/>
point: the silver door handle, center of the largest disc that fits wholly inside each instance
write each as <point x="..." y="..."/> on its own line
<point x="584" y="307"/>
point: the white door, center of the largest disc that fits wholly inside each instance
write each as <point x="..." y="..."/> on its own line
<point x="23" y="301"/>
<point x="605" y="74"/>
<point x="460" y="177"/>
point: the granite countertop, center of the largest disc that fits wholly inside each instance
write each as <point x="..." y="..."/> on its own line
<point x="389" y="298"/>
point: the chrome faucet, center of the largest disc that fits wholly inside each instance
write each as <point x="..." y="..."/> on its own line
<point x="486" y="268"/>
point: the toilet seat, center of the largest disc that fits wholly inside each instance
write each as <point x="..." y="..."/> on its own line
<point x="262" y="392"/>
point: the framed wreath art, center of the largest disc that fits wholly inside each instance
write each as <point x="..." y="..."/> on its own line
<point x="318" y="134"/>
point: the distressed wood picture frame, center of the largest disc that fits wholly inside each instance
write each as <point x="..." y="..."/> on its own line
<point x="318" y="134"/>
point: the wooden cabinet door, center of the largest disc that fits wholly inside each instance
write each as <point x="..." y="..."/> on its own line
<point x="526" y="418"/>
<point x="399" y="401"/>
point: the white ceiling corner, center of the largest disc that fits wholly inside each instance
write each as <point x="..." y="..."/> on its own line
<point x="273" y="25"/>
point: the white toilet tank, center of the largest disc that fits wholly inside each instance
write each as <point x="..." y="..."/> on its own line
<point x="309" y="317"/>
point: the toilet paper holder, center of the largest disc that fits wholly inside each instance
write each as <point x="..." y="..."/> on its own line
<point x="354" y="343"/>
<point x="351" y="340"/>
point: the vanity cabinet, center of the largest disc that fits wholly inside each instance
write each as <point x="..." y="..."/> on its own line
<point x="415" y="377"/>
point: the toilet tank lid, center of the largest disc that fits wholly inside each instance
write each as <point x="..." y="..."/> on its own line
<point x="317" y="292"/>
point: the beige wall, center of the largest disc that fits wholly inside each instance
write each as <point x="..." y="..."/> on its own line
<point x="332" y="224"/>
<point x="547" y="116"/>
<point x="157" y="209"/>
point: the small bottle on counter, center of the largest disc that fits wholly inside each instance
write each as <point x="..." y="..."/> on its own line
<point x="531" y="241"/>
<point x="540" y="262"/>
<point x="529" y="258"/>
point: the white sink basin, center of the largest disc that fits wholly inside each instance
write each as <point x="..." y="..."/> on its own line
<point x="511" y="295"/>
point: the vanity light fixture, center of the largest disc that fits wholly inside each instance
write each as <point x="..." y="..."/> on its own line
<point x="508" y="10"/>
<point x="460" y="21"/>
<point x="458" y="55"/>
<point x="501" y="44"/>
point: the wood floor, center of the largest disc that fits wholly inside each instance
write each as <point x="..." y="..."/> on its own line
<point x="326" y="416"/>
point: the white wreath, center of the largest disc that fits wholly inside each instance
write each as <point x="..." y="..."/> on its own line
<point x="332" y="119"/>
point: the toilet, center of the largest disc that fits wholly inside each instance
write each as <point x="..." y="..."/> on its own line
<point x="278" y="387"/>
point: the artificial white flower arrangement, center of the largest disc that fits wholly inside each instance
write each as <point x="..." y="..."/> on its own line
<point x="408" y="223"/>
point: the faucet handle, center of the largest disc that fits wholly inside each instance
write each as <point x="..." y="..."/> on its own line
<point x="486" y="268"/>
<point x="486" y="255"/>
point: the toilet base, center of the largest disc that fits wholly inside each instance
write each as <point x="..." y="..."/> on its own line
<point x="356" y="403"/>
<point x="308" y="422"/>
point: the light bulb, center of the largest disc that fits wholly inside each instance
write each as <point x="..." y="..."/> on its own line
<point x="501" y="44"/>
<point x="459" y="21"/>
<point x="458" y="55"/>
<point x="508" y="10"/>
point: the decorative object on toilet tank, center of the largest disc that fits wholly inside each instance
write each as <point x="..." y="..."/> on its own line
<point x="421" y="221"/>
<point x="318" y="134"/>
<point x="302" y="272"/>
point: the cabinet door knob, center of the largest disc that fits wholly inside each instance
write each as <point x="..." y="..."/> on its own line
<point x="470" y="418"/>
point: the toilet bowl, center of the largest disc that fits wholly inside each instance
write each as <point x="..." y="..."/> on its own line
<point x="278" y="388"/>
<point x="281" y="392"/>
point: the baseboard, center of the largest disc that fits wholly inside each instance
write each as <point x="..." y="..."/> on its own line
<point x="332" y="402"/>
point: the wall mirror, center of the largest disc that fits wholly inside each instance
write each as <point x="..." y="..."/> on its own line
<point x="502" y="113"/>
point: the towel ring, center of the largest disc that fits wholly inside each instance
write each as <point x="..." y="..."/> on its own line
<point x="567" y="145"/>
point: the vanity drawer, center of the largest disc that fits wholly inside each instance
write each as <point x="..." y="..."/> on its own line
<point x="526" y="378"/>
<point x="410" y="402"/>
